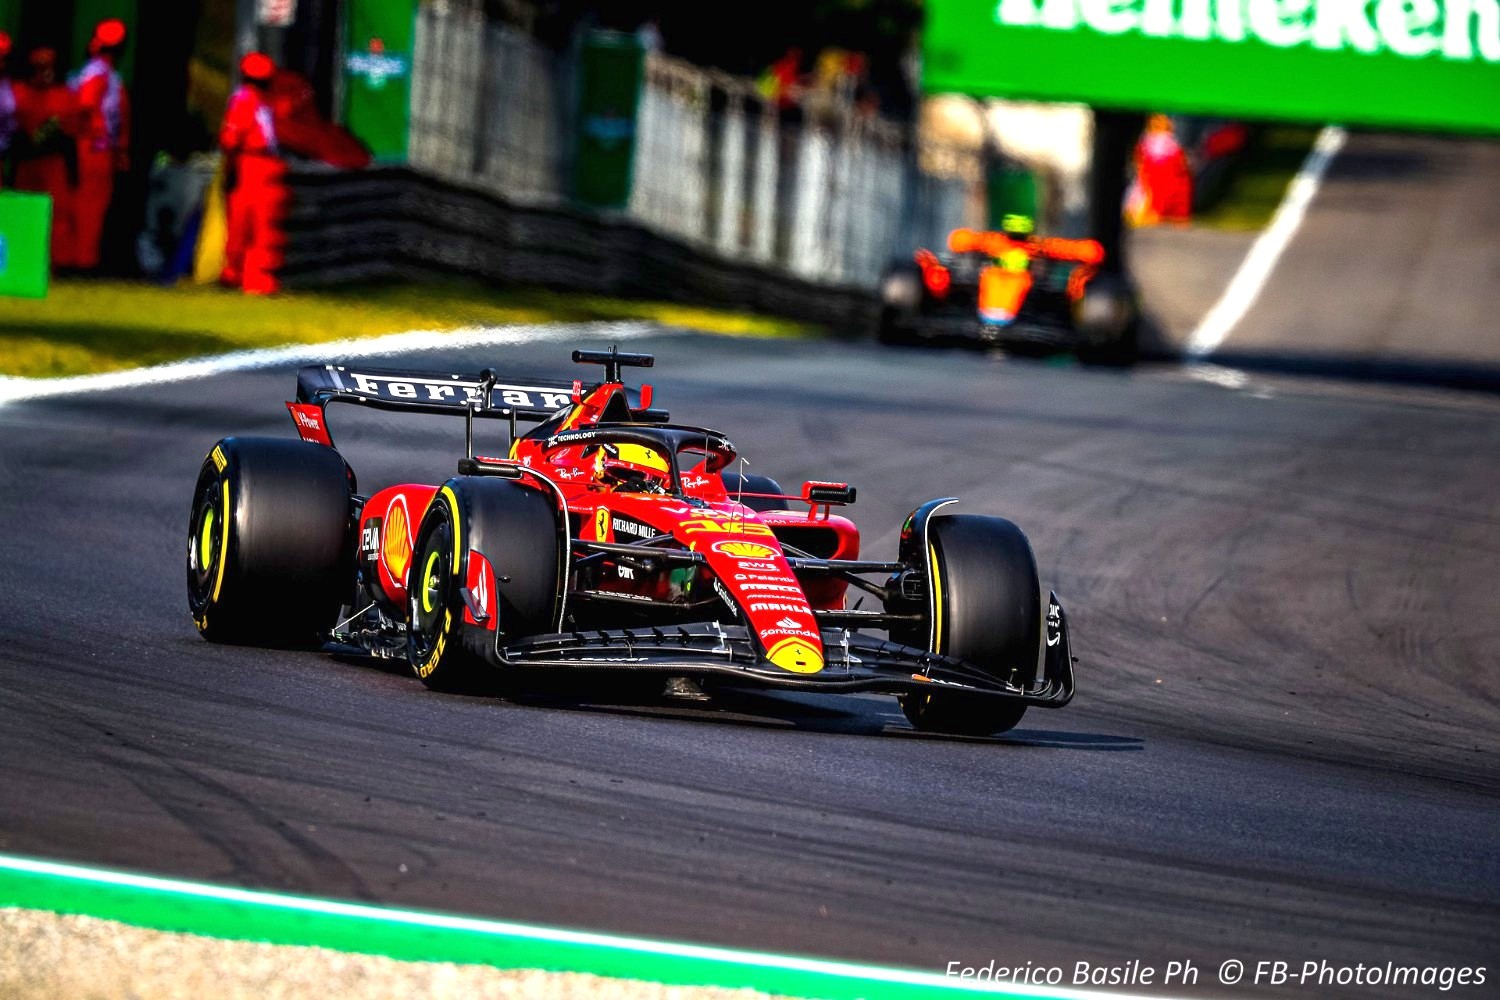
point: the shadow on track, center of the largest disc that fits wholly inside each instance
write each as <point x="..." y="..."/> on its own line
<point x="1470" y="376"/>
<point x="1071" y="741"/>
<point x="855" y="717"/>
<point x="843" y="715"/>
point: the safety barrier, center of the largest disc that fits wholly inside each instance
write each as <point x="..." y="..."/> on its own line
<point x="399" y="223"/>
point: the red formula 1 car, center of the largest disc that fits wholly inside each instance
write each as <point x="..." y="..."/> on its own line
<point x="607" y="541"/>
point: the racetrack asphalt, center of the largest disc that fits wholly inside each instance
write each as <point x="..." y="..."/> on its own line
<point x="1284" y="743"/>
<point x="1393" y="273"/>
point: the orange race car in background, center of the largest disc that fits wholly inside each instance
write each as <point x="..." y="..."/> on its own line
<point x="1010" y="287"/>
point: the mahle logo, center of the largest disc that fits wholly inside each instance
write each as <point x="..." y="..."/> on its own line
<point x="1453" y="30"/>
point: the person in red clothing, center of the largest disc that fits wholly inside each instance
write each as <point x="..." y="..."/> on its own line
<point x="781" y="82"/>
<point x="1166" y="177"/>
<point x="48" y="116"/>
<point x="255" y="182"/>
<point x="103" y="139"/>
<point x="7" y="105"/>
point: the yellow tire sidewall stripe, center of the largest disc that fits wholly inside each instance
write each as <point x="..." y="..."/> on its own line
<point x="937" y="601"/>
<point x="452" y="500"/>
<point x="225" y="515"/>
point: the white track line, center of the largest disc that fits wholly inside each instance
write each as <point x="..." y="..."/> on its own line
<point x="14" y="389"/>
<point x="1256" y="268"/>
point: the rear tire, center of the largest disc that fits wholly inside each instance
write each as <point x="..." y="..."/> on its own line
<point x="752" y="483"/>
<point x="514" y="527"/>
<point x="901" y="295"/>
<point x="270" y="542"/>
<point x="1108" y="319"/>
<point x="989" y="613"/>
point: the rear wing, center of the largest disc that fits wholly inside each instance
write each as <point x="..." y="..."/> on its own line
<point x="469" y="396"/>
<point x="436" y="392"/>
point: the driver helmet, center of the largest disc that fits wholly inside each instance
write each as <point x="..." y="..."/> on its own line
<point x="1017" y="226"/>
<point x="632" y="468"/>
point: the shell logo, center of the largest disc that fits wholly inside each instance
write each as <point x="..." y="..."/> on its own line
<point x="745" y="550"/>
<point x="797" y="655"/>
<point x="395" y="547"/>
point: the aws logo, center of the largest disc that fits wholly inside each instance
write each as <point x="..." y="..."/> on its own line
<point x="744" y="550"/>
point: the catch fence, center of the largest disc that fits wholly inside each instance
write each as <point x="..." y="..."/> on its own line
<point x="821" y="191"/>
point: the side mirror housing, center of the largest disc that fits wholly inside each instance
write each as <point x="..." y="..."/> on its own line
<point x="826" y="493"/>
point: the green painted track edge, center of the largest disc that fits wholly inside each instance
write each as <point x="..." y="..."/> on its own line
<point x="409" y="935"/>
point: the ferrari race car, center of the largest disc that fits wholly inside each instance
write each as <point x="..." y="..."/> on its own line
<point x="1012" y="289"/>
<point x="609" y="541"/>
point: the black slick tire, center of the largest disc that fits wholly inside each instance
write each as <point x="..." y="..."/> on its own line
<point x="270" y="542"/>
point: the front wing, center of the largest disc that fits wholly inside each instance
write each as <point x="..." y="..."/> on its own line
<point x="1042" y="326"/>
<point x="852" y="661"/>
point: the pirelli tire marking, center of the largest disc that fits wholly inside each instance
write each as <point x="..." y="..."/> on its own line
<point x="425" y="668"/>
<point x="434" y="656"/>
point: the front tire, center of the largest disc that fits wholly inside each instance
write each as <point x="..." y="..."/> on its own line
<point x="988" y="611"/>
<point x="470" y="522"/>
<point x="270" y="542"/>
<point x="1108" y="318"/>
<point x="901" y="296"/>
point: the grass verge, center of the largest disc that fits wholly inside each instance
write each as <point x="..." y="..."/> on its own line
<point x="84" y="327"/>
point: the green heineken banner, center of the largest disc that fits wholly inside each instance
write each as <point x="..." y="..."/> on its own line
<point x="611" y="71"/>
<point x="379" y="36"/>
<point x="25" y="239"/>
<point x="1427" y="64"/>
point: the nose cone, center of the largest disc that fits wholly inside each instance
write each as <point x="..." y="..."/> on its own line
<point x="797" y="655"/>
<point x="754" y="572"/>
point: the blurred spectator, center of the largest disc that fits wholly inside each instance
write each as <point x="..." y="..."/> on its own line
<point x="46" y="148"/>
<point x="103" y="141"/>
<point x="781" y="82"/>
<point x="254" y="182"/>
<point x="1164" y="178"/>
<point x="175" y="189"/>
<point x="649" y="35"/>
<point x="7" y="105"/>
<point x="834" y="82"/>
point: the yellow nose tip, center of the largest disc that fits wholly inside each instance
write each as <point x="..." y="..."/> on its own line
<point x="796" y="655"/>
